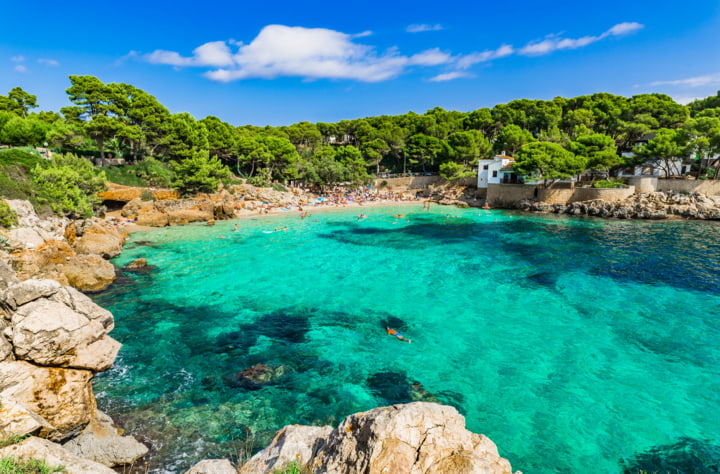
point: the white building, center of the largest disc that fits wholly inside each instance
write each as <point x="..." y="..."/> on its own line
<point x="492" y="171"/>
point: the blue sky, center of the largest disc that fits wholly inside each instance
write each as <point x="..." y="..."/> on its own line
<point x="278" y="63"/>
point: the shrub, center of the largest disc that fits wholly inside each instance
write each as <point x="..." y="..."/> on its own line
<point x="453" y="171"/>
<point x="155" y="173"/>
<point x="70" y="185"/>
<point x="261" y="179"/>
<point x="8" y="217"/>
<point x="609" y="183"/>
<point x="293" y="467"/>
<point x="199" y="173"/>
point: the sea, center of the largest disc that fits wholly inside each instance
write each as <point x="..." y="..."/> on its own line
<point x="578" y="345"/>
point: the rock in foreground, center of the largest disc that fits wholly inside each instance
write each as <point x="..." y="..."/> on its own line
<point x="412" y="438"/>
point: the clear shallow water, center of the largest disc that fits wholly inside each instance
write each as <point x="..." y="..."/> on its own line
<point x="573" y="344"/>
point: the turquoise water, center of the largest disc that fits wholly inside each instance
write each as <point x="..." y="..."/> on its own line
<point x="575" y="345"/>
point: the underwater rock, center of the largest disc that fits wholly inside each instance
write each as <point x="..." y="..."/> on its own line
<point x="687" y="455"/>
<point x="258" y="376"/>
<point x="395" y="387"/>
<point x="137" y="263"/>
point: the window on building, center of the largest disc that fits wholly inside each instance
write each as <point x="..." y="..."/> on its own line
<point x="485" y="167"/>
<point x="494" y="173"/>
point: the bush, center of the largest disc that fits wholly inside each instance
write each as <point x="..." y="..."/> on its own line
<point x="8" y="217"/>
<point x="453" y="171"/>
<point x="155" y="173"/>
<point x="125" y="175"/>
<point x="199" y="173"/>
<point x="609" y="183"/>
<point x="70" y="185"/>
<point x="261" y="179"/>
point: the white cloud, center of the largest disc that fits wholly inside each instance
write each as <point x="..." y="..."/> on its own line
<point x="471" y="59"/>
<point x="449" y="76"/>
<point x="48" y="62"/>
<point x="311" y="53"/>
<point x="699" y="81"/>
<point x="554" y="43"/>
<point x="17" y="59"/>
<point x="423" y="28"/>
<point x="431" y="57"/>
<point x="20" y="68"/>
<point x="320" y="53"/>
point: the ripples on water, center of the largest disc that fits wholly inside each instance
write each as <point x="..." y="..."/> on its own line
<point x="576" y="345"/>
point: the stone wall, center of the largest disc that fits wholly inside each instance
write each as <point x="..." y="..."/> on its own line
<point x="644" y="184"/>
<point x="606" y="194"/>
<point x="511" y="195"/>
<point x="410" y="182"/>
<point x="708" y="187"/>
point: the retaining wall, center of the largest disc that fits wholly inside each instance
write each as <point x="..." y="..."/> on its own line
<point x="606" y="194"/>
<point x="644" y="184"/>
<point x="510" y="195"/>
<point x="709" y="187"/>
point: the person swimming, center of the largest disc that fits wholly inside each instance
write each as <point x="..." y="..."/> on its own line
<point x="392" y="332"/>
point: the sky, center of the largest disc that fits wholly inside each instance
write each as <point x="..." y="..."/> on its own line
<point x="281" y="62"/>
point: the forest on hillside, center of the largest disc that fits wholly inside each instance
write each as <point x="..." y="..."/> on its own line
<point x="550" y="139"/>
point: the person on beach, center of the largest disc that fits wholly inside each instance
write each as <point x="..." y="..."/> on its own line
<point x="235" y="228"/>
<point x="392" y="332"/>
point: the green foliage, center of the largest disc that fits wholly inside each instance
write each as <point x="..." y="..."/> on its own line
<point x="155" y="173"/>
<point x="609" y="183"/>
<point x="199" y="173"/>
<point x="548" y="161"/>
<point x="5" y="245"/>
<point x="10" y="465"/>
<point x="12" y="439"/>
<point x="15" y="180"/>
<point x="125" y="175"/>
<point x="69" y="185"/>
<point x="453" y="171"/>
<point x="261" y="179"/>
<point x="8" y="217"/>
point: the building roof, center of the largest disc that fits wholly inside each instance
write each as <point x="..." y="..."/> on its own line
<point x="505" y="157"/>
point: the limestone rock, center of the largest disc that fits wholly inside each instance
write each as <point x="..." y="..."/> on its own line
<point x="89" y="272"/>
<point x="7" y="275"/>
<point x="25" y="237"/>
<point x="63" y="397"/>
<point x="292" y="443"/>
<point x="15" y="419"/>
<point x="6" y="349"/>
<point x="49" y="333"/>
<point x="101" y="442"/>
<point x="213" y="466"/>
<point x="414" y="438"/>
<point x="27" y="291"/>
<point x="95" y="242"/>
<point x="54" y="455"/>
<point x="152" y="218"/>
<point x="24" y="210"/>
<point x="81" y="303"/>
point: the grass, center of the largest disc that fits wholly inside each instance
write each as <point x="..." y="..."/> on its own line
<point x="10" y="440"/>
<point x="293" y="467"/>
<point x="10" y="465"/>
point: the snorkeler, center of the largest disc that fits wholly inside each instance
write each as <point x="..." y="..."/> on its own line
<point x="392" y="332"/>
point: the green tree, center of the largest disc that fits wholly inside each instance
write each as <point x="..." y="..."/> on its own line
<point x="469" y="146"/>
<point x="547" y="161"/>
<point x="664" y="149"/>
<point x="511" y="138"/>
<point x="423" y="150"/>
<point x="703" y="135"/>
<point x="598" y="150"/>
<point x="185" y="137"/>
<point x="453" y="171"/>
<point x="199" y="173"/>
<point x="24" y="100"/>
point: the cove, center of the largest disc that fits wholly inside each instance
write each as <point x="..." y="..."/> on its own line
<point x="576" y="345"/>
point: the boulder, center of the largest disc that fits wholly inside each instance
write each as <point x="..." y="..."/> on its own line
<point x="62" y="397"/>
<point x="81" y="303"/>
<point x="25" y="212"/>
<point x="257" y="376"/>
<point x="413" y="438"/>
<point x="50" y="333"/>
<point x="27" y="291"/>
<point x="89" y="272"/>
<point x="292" y="443"/>
<point x="6" y="349"/>
<point x="213" y="466"/>
<point x="15" y="419"/>
<point x="53" y="455"/>
<point x="137" y="263"/>
<point x="99" y="242"/>
<point x="26" y="238"/>
<point x="152" y="218"/>
<point x="102" y="442"/>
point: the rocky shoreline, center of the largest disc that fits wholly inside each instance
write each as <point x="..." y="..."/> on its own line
<point x="54" y="339"/>
<point x="656" y="206"/>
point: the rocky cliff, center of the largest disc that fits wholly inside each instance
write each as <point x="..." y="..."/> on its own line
<point x="53" y="340"/>
<point x="658" y="205"/>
